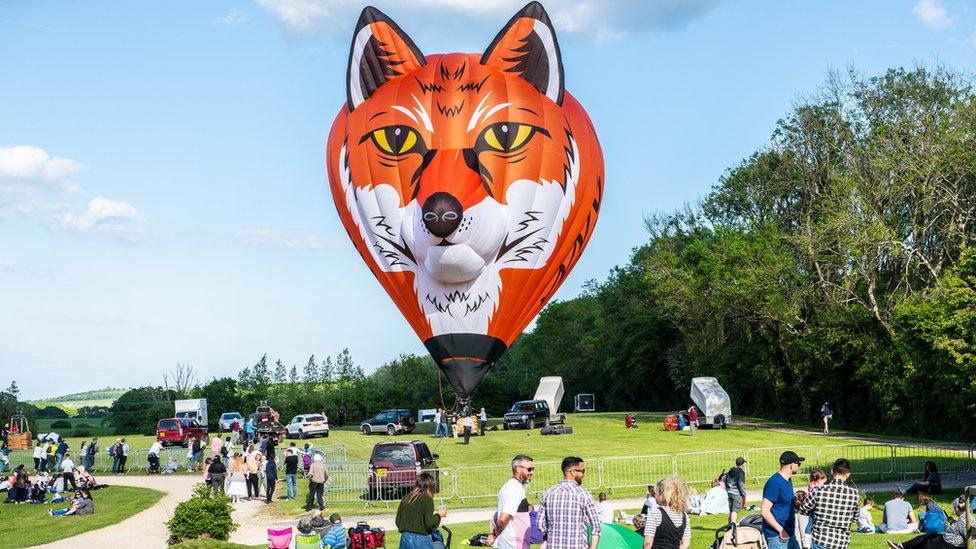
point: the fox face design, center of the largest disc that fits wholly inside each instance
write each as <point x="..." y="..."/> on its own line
<point x="469" y="183"/>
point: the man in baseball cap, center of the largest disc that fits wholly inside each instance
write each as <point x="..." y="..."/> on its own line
<point x="779" y="519"/>
<point x="735" y="487"/>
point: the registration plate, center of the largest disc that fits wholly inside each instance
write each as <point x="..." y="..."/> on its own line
<point x="381" y="472"/>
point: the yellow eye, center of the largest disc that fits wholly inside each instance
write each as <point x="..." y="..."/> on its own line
<point x="395" y="140"/>
<point x="507" y="136"/>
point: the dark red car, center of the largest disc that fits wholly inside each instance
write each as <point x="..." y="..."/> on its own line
<point x="177" y="431"/>
<point x="394" y="466"/>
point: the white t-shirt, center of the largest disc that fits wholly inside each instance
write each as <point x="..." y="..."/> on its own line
<point x="466" y="422"/>
<point x="509" y="499"/>
<point x="156" y="448"/>
<point x="606" y="512"/>
<point x="67" y="465"/>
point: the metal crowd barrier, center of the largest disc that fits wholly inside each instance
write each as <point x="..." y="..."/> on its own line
<point x="909" y="459"/>
<point x="635" y="472"/>
<point x="866" y="459"/>
<point x="698" y="467"/>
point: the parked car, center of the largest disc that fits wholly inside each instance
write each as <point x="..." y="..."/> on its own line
<point x="391" y="422"/>
<point x="177" y="431"/>
<point x="526" y="414"/>
<point x="308" y="425"/>
<point x="227" y="419"/>
<point x="394" y="466"/>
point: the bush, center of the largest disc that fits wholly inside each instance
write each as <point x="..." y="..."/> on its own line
<point x="52" y="412"/>
<point x="205" y="515"/>
<point x="82" y="426"/>
<point x="61" y="424"/>
<point x="82" y="433"/>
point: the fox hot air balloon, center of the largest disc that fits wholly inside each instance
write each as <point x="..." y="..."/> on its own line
<point x="469" y="183"/>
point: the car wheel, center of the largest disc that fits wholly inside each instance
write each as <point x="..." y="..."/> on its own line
<point x="301" y="434"/>
<point x="366" y="430"/>
<point x="504" y="426"/>
<point x="390" y="430"/>
<point x="532" y="424"/>
<point x="326" y="434"/>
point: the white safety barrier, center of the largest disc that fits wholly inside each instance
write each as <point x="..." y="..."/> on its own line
<point x="699" y="467"/>
<point x="633" y="472"/>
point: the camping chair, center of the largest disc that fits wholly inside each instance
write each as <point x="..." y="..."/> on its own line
<point x="308" y="541"/>
<point x="279" y="539"/>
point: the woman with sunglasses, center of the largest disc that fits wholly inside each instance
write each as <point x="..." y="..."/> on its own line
<point x="81" y="504"/>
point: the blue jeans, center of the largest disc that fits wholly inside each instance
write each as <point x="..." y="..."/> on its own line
<point x="440" y="430"/>
<point x="292" y="485"/>
<point x="115" y="464"/>
<point x="776" y="543"/>
<point x="409" y="540"/>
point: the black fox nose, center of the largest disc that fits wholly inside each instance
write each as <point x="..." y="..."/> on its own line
<point x="442" y="214"/>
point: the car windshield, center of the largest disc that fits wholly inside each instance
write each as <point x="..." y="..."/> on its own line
<point x="523" y="407"/>
<point x="399" y="456"/>
<point x="231" y="416"/>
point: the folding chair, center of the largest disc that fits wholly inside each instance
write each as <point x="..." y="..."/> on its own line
<point x="308" y="541"/>
<point x="279" y="539"/>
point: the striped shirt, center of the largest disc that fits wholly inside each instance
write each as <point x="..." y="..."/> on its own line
<point x="654" y="520"/>
<point x="565" y="510"/>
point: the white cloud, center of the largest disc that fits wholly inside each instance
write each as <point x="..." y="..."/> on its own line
<point x="29" y="163"/>
<point x="932" y="14"/>
<point x="590" y="19"/>
<point x="231" y="18"/>
<point x="102" y="213"/>
<point x="272" y="237"/>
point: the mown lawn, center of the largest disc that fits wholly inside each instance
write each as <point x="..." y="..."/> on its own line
<point x="26" y="525"/>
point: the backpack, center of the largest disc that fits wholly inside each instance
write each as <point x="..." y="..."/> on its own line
<point x="111" y="450"/>
<point x="307" y="460"/>
<point x="362" y="536"/>
<point x="478" y="540"/>
<point x="935" y="520"/>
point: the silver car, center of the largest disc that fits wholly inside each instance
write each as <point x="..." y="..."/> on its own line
<point x="227" y="419"/>
<point x="308" y="425"/>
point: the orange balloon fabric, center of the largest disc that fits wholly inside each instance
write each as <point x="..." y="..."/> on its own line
<point x="469" y="183"/>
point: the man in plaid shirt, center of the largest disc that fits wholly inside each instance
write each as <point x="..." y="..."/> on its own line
<point x="834" y="507"/>
<point x="566" y="509"/>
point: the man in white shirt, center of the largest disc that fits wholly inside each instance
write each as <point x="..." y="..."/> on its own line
<point x="68" y="471"/>
<point x="603" y="506"/>
<point x="437" y="423"/>
<point x="509" y="498"/>
<point x="467" y="425"/>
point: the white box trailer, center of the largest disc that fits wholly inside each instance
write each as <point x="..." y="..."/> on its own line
<point x="713" y="402"/>
<point x="551" y="390"/>
<point x="192" y="408"/>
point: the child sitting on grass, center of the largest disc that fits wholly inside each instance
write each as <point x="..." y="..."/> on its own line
<point x="865" y="522"/>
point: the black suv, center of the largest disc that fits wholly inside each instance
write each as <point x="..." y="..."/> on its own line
<point x="391" y="422"/>
<point x="527" y="414"/>
<point x="394" y="466"/>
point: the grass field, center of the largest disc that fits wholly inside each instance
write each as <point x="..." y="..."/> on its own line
<point x="702" y="533"/>
<point x="28" y="525"/>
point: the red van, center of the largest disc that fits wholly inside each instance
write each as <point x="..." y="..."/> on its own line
<point x="177" y="431"/>
<point x="394" y="466"/>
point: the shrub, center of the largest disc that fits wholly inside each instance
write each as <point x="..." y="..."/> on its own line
<point x="82" y="426"/>
<point x="61" y="424"/>
<point x="204" y="515"/>
<point x="82" y="433"/>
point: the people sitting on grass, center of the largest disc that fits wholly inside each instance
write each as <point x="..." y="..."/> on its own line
<point x="19" y="483"/>
<point x="716" y="500"/>
<point x="305" y="526"/>
<point x="86" y="481"/>
<point x="898" y="517"/>
<point x="81" y="504"/>
<point x="954" y="537"/>
<point x="931" y="482"/>
<point x="931" y="519"/>
<point x="37" y="493"/>
<point x="668" y="527"/>
<point x="865" y="522"/>
<point x="172" y="466"/>
<point x="335" y="536"/>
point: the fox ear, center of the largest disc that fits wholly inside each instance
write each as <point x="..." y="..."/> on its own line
<point x="527" y="46"/>
<point x="380" y="51"/>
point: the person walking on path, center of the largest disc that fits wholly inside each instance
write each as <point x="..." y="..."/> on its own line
<point x="317" y="475"/>
<point x="826" y="414"/>
<point x="252" y="462"/>
<point x="693" y="419"/>
<point x="735" y="487"/>
<point x="779" y="519"/>
<point x="68" y="471"/>
<point x="833" y="506"/>
<point x="566" y="510"/>
<point x="509" y="499"/>
<point x="270" y="477"/>
<point x="416" y="518"/>
<point x="235" y="431"/>
<point x="467" y="425"/>
<point x="482" y="421"/>
<point x="218" y="474"/>
<point x="668" y="527"/>
<point x="215" y="446"/>
<point x="291" y="472"/>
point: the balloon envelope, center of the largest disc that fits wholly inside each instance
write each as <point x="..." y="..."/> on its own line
<point x="469" y="183"/>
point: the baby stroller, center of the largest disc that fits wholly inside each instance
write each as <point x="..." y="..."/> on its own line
<point x="153" y="464"/>
<point x="745" y="535"/>
<point x="438" y="538"/>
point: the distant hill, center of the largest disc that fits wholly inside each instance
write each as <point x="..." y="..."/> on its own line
<point x="71" y="403"/>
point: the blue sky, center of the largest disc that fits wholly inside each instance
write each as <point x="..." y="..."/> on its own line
<point x="163" y="196"/>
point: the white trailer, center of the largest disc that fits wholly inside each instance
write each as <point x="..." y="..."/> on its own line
<point x="551" y="390"/>
<point x="193" y="408"/>
<point x="713" y="402"/>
